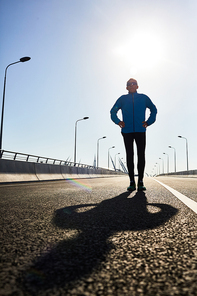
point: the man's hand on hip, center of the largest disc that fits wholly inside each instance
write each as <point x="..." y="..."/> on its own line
<point x="144" y="124"/>
<point x="121" y="124"/>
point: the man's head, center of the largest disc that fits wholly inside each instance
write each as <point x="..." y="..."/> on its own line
<point x="132" y="85"/>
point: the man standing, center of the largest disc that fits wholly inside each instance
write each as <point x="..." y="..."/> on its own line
<point x="133" y="125"/>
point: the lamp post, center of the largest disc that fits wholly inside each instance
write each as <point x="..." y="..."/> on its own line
<point x="153" y="170"/>
<point x="158" y="171"/>
<point x="167" y="162"/>
<point x="24" y="59"/>
<point x="162" y="165"/>
<point x="108" y="155"/>
<point x="186" y="151"/>
<point x="98" y="150"/>
<point x="115" y="160"/>
<point x="75" y="147"/>
<point x="174" y="158"/>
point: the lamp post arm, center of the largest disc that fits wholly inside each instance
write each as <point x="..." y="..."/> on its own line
<point x="10" y="65"/>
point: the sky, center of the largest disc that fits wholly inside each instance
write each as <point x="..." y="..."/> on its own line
<point x="82" y="53"/>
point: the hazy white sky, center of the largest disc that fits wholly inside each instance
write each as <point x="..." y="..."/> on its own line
<point x="82" y="53"/>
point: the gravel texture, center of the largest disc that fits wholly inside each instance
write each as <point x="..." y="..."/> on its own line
<point x="94" y="238"/>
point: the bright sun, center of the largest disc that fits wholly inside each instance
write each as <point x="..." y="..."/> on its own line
<point x="144" y="50"/>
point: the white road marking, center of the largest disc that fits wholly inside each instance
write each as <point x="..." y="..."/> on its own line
<point x="186" y="200"/>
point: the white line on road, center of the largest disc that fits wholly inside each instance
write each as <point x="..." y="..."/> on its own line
<point x="186" y="200"/>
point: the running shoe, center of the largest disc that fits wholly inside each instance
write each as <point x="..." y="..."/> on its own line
<point x="132" y="187"/>
<point x="141" y="186"/>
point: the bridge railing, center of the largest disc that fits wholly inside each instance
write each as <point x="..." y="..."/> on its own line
<point x="5" y="154"/>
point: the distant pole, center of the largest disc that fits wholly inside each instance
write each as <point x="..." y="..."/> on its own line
<point x="108" y="155"/>
<point x="120" y="162"/>
<point x="98" y="150"/>
<point x="162" y="164"/>
<point x="174" y="157"/>
<point x="167" y="162"/>
<point x="115" y="160"/>
<point x="158" y="167"/>
<point x="186" y="151"/>
<point x="75" y="146"/>
<point x="156" y="170"/>
<point x="24" y="59"/>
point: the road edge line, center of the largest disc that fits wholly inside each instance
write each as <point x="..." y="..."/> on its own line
<point x="186" y="200"/>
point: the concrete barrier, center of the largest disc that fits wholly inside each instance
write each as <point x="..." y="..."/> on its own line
<point x="46" y="171"/>
<point x="187" y="174"/>
<point x="17" y="171"/>
<point x="21" y="171"/>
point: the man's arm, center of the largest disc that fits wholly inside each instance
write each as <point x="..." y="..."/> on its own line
<point x="153" y="113"/>
<point x="114" y="111"/>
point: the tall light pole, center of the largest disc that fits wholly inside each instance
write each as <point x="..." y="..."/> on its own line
<point x="159" y="168"/>
<point x="156" y="170"/>
<point x="24" y="59"/>
<point x="108" y="155"/>
<point x="167" y="162"/>
<point x="186" y="152"/>
<point x="174" y="158"/>
<point x="115" y="160"/>
<point x="162" y="165"/>
<point x="75" y="147"/>
<point x="98" y="150"/>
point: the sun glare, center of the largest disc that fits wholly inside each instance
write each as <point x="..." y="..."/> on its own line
<point x="144" y="50"/>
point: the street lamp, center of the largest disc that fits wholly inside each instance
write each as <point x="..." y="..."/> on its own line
<point x="156" y="170"/>
<point x="157" y="167"/>
<point x="174" y="157"/>
<point x="24" y="59"/>
<point x="186" y="151"/>
<point x="75" y="147"/>
<point x="167" y="162"/>
<point x="108" y="155"/>
<point x="162" y="165"/>
<point x="98" y="150"/>
<point x="115" y="160"/>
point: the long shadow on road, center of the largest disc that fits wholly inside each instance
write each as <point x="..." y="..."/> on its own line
<point x="73" y="258"/>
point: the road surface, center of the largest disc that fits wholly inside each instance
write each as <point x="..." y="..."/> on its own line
<point x="92" y="237"/>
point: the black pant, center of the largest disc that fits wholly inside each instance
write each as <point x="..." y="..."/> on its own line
<point x="140" y="140"/>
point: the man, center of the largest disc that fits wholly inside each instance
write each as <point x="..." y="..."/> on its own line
<point x="133" y="125"/>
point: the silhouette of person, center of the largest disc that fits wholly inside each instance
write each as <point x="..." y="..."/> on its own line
<point x="133" y="125"/>
<point x="77" y="256"/>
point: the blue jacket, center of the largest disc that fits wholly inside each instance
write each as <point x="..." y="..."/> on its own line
<point x="133" y="107"/>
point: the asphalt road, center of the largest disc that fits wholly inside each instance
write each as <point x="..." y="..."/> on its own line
<point x="95" y="238"/>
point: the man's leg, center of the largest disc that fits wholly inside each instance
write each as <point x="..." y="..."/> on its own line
<point x="140" y="139"/>
<point x="128" y="141"/>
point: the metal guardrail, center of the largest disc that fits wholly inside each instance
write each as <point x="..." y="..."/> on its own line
<point x="5" y="154"/>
